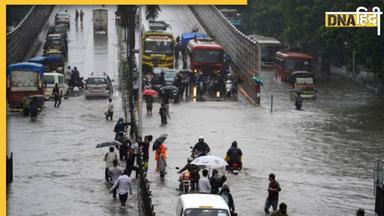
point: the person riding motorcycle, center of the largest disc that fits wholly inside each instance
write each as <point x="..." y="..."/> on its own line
<point x="193" y="172"/>
<point x="234" y="155"/>
<point x="201" y="148"/>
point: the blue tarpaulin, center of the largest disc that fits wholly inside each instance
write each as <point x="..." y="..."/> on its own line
<point x="26" y="66"/>
<point x="186" y="37"/>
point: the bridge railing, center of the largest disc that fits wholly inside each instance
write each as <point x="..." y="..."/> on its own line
<point x="244" y="51"/>
<point x="20" y="39"/>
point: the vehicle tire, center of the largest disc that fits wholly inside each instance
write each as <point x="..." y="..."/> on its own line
<point x="186" y="188"/>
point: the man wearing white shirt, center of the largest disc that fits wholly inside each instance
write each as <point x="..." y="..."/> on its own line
<point x="115" y="172"/>
<point x="109" y="113"/>
<point x="123" y="185"/>
<point x="204" y="184"/>
<point x="108" y="158"/>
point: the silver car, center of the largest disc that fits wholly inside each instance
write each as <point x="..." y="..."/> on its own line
<point x="62" y="18"/>
<point x="98" y="85"/>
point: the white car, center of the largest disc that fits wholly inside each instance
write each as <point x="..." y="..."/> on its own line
<point x="98" y="85"/>
<point x="62" y="18"/>
<point x="202" y="204"/>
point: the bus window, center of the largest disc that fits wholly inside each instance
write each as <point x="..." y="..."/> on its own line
<point x="295" y="64"/>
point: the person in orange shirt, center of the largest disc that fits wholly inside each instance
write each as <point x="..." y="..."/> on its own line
<point x="161" y="158"/>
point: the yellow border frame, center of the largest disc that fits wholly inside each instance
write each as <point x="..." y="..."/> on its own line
<point x="3" y="121"/>
<point x="3" y="12"/>
<point x="130" y="2"/>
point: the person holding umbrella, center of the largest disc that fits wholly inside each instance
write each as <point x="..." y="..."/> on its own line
<point x="148" y="97"/>
<point x="163" y="114"/>
<point x="160" y="155"/>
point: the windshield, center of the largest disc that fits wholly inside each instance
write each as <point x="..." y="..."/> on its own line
<point x="23" y="81"/>
<point x="298" y="64"/>
<point x="162" y="47"/>
<point x="169" y="74"/>
<point x="54" y="42"/>
<point x="49" y="80"/>
<point x="268" y="51"/>
<point x="206" y="212"/>
<point x="207" y="56"/>
<point x="96" y="81"/>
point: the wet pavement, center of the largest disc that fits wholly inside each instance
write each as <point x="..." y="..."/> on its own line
<point x="322" y="156"/>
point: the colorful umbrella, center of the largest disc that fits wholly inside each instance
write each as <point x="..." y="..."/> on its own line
<point x="149" y="92"/>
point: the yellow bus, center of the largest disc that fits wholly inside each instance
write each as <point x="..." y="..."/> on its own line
<point x="158" y="46"/>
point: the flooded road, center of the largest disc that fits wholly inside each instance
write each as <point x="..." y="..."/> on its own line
<point x="57" y="169"/>
<point x="322" y="156"/>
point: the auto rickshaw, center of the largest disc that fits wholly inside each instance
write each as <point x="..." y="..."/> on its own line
<point x="303" y="82"/>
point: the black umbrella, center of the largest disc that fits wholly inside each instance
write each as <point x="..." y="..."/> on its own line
<point x="107" y="144"/>
<point x="158" y="141"/>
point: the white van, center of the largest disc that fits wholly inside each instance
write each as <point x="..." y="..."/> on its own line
<point x="49" y="81"/>
<point x="201" y="205"/>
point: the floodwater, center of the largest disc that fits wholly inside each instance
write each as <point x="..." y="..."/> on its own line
<point x="322" y="156"/>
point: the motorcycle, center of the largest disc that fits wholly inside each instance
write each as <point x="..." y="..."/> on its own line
<point x="234" y="168"/>
<point x="185" y="182"/>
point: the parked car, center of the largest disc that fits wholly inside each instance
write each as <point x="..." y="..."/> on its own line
<point x="49" y="81"/>
<point x="59" y="29"/>
<point x="98" y="85"/>
<point x="169" y="75"/>
<point x="62" y="18"/>
<point x="56" y="41"/>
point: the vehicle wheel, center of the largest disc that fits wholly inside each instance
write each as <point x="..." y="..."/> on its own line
<point x="186" y="188"/>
